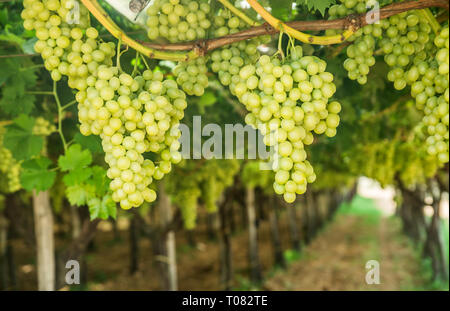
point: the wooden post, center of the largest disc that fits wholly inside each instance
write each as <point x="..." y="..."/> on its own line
<point x="3" y="253"/>
<point x="134" y="243"/>
<point x="226" y="267"/>
<point x="43" y="227"/>
<point x="275" y="232"/>
<point x="293" y="228"/>
<point x="168" y="260"/>
<point x="255" y="267"/>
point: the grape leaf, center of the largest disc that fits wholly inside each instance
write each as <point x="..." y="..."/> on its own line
<point x="19" y="138"/>
<point x="28" y="46"/>
<point x="15" y="81"/>
<point x="99" y="180"/>
<point x="91" y="142"/>
<point x="79" y="194"/>
<point x="102" y="208"/>
<point x="319" y="5"/>
<point x="77" y="176"/>
<point x="207" y="99"/>
<point x="35" y="174"/>
<point x="281" y="8"/>
<point x="74" y="158"/>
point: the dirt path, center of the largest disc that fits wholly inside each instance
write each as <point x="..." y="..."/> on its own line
<point x="336" y="259"/>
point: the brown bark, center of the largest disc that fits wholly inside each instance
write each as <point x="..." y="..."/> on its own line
<point x="3" y="253"/>
<point x="255" y="266"/>
<point x="134" y="243"/>
<point x="433" y="244"/>
<point x="353" y="21"/>
<point x="275" y="232"/>
<point x="226" y="267"/>
<point x="166" y="246"/>
<point x="43" y="225"/>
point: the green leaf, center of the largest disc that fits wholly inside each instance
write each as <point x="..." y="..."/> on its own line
<point x="281" y="8"/>
<point x="99" y="180"/>
<point x="11" y="37"/>
<point x="77" y="176"/>
<point x="75" y="158"/>
<point x="91" y="142"/>
<point x="15" y="80"/>
<point x="207" y="99"/>
<point x="35" y="174"/>
<point x="102" y="208"/>
<point x="19" y="138"/>
<point x="28" y="46"/>
<point x="319" y="5"/>
<point x="79" y="194"/>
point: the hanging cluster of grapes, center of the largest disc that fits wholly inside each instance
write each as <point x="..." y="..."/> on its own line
<point x="417" y="59"/>
<point x="287" y="100"/>
<point x="436" y="108"/>
<point x="43" y="127"/>
<point x="9" y="168"/>
<point x="228" y="61"/>
<point x="178" y="20"/>
<point x="132" y="115"/>
<point x="207" y="180"/>
<point x="360" y="53"/>
<point x="191" y="76"/>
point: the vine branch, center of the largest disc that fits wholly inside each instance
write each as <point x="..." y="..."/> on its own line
<point x="200" y="47"/>
<point x="301" y="36"/>
<point x="103" y="18"/>
<point x="238" y="13"/>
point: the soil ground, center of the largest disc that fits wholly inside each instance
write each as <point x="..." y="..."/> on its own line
<point x="335" y="259"/>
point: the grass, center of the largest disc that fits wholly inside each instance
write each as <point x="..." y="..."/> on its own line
<point x="363" y="207"/>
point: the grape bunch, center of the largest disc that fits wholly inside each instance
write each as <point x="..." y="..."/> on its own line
<point x="142" y="117"/>
<point x="178" y="20"/>
<point x="206" y="181"/>
<point x="436" y="121"/>
<point x="416" y="58"/>
<point x="65" y="48"/>
<point x="287" y="101"/>
<point x="407" y="38"/>
<point x="43" y="127"/>
<point x="191" y="76"/>
<point x="360" y="53"/>
<point x="132" y="115"/>
<point x="228" y="61"/>
<point x="9" y="168"/>
<point x="214" y="177"/>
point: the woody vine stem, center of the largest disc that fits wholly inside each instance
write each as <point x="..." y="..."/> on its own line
<point x="190" y="50"/>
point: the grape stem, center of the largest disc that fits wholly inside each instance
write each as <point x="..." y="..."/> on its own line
<point x="317" y="25"/>
<point x="238" y="13"/>
<point x="73" y="102"/>
<point x="60" y="117"/>
<point x="301" y="36"/>
<point x="426" y="13"/>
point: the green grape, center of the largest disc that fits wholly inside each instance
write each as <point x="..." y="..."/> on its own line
<point x="9" y="168"/>
<point x="132" y="115"/>
<point x="192" y="76"/>
<point x="43" y="127"/>
<point x="178" y="21"/>
<point x="287" y="101"/>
